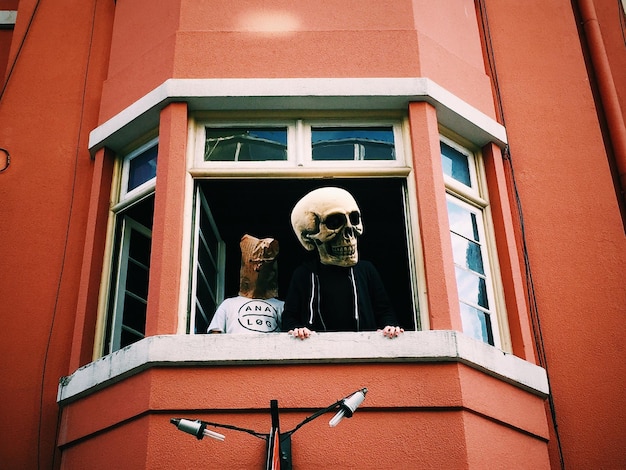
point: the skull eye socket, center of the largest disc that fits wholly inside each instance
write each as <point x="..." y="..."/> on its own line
<point x="355" y="218"/>
<point x="335" y="221"/>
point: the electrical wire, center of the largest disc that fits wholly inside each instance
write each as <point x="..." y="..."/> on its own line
<point x="7" y="159"/>
<point x="65" y="249"/>
<point x="263" y="436"/>
<point x="621" y="11"/>
<point x="284" y="435"/>
<point x="10" y="73"/>
<point x="530" y="286"/>
<point x="19" y="50"/>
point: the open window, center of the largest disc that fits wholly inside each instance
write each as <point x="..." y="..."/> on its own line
<point x="261" y="207"/>
<point x="130" y="269"/>
<point x="265" y="168"/>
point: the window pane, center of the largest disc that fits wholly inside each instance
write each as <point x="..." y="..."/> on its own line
<point x="245" y="144"/>
<point x="455" y="164"/>
<point x="142" y="168"/>
<point x="136" y="289"/>
<point x="463" y="222"/>
<point x="137" y="279"/>
<point x="472" y="287"/>
<point x="353" y="143"/>
<point x="207" y="269"/>
<point x="467" y="253"/>
<point x="139" y="249"/>
<point x="127" y="318"/>
<point x="134" y="314"/>
<point x="476" y="324"/>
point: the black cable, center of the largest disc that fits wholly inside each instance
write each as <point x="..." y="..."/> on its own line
<point x="65" y="248"/>
<point x="315" y="415"/>
<point x="10" y="72"/>
<point x="283" y="435"/>
<point x="530" y="286"/>
<point x="7" y="159"/>
<point x="622" y="20"/>
<point x="19" y="50"/>
<point x="534" y="309"/>
<point x="263" y="436"/>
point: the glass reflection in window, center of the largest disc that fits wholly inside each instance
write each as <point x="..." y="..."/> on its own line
<point x="455" y="164"/>
<point x="142" y="168"/>
<point x="353" y="143"/>
<point x="239" y="144"/>
<point x="471" y="279"/>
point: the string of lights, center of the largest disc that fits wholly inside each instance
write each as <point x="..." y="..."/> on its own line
<point x="344" y="408"/>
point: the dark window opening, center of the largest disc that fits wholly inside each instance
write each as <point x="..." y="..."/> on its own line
<point x="262" y="208"/>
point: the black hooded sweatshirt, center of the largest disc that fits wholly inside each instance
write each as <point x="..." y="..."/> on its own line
<point x="333" y="298"/>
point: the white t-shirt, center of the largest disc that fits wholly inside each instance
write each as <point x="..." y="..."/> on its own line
<point x="244" y="315"/>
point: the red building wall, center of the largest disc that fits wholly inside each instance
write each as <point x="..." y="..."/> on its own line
<point x="75" y="67"/>
<point x="565" y="187"/>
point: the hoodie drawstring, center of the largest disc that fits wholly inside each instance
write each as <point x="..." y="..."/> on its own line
<point x="356" y="299"/>
<point x="314" y="301"/>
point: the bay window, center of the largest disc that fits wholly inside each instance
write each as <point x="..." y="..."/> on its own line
<point x="244" y="177"/>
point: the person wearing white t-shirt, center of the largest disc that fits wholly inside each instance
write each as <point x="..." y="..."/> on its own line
<point x="244" y="315"/>
<point x="256" y="309"/>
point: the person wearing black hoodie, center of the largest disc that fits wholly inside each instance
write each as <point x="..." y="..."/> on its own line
<point x="337" y="291"/>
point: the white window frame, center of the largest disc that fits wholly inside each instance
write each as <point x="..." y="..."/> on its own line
<point x="109" y="317"/>
<point x="396" y="126"/>
<point x="474" y="199"/>
<point x="219" y="260"/>
<point x="299" y="146"/>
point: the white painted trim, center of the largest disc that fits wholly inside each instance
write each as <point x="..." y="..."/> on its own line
<point x="297" y="94"/>
<point x="8" y="17"/>
<point x="264" y="349"/>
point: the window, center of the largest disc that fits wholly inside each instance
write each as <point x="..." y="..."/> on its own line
<point x="466" y="214"/>
<point x="208" y="262"/>
<point x="352" y="143"/>
<point x="300" y="143"/>
<point x="126" y="312"/>
<point x="247" y="178"/>
<point x="245" y="144"/>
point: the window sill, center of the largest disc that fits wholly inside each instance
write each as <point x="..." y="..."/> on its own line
<point x="262" y="349"/>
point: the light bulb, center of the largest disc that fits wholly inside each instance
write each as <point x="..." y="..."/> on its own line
<point x="348" y="406"/>
<point x="338" y="417"/>
<point x="196" y="428"/>
<point x="213" y="434"/>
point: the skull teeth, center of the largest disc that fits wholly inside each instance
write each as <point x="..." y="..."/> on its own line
<point x="343" y="250"/>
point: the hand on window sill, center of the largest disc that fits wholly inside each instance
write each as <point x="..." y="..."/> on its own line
<point x="392" y="331"/>
<point x="300" y="333"/>
<point x="304" y="333"/>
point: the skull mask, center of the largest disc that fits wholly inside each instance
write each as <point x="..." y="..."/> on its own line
<point x="330" y="220"/>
